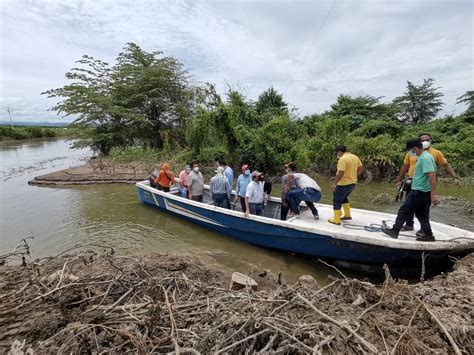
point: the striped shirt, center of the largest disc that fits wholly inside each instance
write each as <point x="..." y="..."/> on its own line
<point x="219" y="185"/>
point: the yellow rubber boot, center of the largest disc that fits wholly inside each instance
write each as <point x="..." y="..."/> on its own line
<point x="347" y="212"/>
<point x="337" y="217"/>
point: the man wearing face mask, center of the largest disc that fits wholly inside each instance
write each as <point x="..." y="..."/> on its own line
<point x="409" y="166"/>
<point x="423" y="194"/>
<point x="254" y="196"/>
<point x="195" y="184"/>
<point x="183" y="181"/>
<point x="349" y="167"/>
<point x="242" y="182"/>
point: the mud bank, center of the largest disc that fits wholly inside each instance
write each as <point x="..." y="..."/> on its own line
<point x="97" y="301"/>
<point x="96" y="171"/>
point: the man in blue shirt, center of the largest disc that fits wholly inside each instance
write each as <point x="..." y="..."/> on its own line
<point x="422" y="195"/>
<point x="242" y="182"/>
<point x="228" y="172"/>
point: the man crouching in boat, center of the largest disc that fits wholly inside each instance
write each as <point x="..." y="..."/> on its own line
<point x="307" y="190"/>
<point x="255" y="196"/>
<point x="422" y="195"/>
<point x="348" y="167"/>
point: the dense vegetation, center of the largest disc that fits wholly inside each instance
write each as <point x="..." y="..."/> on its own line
<point x="145" y="104"/>
<point x="25" y="132"/>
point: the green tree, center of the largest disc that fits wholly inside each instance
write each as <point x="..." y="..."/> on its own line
<point x="367" y="106"/>
<point x="420" y="103"/>
<point x="467" y="99"/>
<point x="270" y="104"/>
<point x="142" y="98"/>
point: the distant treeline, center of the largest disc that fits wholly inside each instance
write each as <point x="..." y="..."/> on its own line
<point x="145" y="105"/>
<point x="25" y="132"/>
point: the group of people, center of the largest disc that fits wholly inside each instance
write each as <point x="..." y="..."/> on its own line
<point x="253" y="192"/>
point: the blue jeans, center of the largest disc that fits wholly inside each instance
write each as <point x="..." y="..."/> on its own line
<point x="221" y="200"/>
<point x="339" y="196"/>
<point x="308" y="195"/>
<point x="183" y="193"/>
<point x="256" y="208"/>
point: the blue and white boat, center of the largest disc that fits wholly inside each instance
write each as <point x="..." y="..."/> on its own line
<point x="358" y="242"/>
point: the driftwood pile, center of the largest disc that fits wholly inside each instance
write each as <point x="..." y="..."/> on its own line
<point x="101" y="302"/>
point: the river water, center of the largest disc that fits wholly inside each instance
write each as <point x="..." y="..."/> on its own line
<point x="59" y="218"/>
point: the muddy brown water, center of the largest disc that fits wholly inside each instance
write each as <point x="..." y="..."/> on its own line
<point x="111" y="215"/>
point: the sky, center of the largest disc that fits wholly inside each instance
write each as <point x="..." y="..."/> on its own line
<point x="310" y="51"/>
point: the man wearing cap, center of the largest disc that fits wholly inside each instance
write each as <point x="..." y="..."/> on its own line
<point x="219" y="188"/>
<point x="195" y="184"/>
<point x="287" y="184"/>
<point x="242" y="182"/>
<point x="349" y="167"/>
<point x="409" y="166"/>
<point x="306" y="190"/>
<point x="254" y="196"/>
<point x="422" y="195"/>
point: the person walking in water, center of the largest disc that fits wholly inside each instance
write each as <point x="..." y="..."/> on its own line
<point x="348" y="167"/>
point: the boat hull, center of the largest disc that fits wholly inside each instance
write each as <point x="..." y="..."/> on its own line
<point x="291" y="240"/>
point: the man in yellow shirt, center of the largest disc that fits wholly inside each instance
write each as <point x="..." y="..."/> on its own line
<point x="348" y="167"/>
<point x="409" y="166"/>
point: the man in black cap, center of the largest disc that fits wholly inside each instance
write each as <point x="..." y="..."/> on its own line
<point x="422" y="195"/>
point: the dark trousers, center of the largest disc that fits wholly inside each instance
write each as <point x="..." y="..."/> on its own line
<point x="411" y="218"/>
<point x="221" y="200"/>
<point x="242" y="204"/>
<point x="256" y="208"/>
<point x="162" y="188"/>
<point x="418" y="203"/>
<point x="197" y="198"/>
<point x="341" y="194"/>
<point x="308" y="195"/>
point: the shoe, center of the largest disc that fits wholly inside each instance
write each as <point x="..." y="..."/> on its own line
<point x="420" y="233"/>
<point x="337" y="218"/>
<point x="293" y="214"/>
<point x="426" y="238"/>
<point x="347" y="212"/>
<point x="316" y="216"/>
<point x="407" y="228"/>
<point x="390" y="232"/>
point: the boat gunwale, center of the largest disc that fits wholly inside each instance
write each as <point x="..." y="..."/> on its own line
<point x="436" y="246"/>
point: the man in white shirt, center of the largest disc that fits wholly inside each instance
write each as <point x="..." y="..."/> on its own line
<point x="308" y="191"/>
<point x="254" y="196"/>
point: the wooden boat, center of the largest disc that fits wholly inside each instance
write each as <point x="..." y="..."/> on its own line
<point x="359" y="241"/>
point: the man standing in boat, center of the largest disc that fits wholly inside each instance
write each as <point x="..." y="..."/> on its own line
<point x="348" y="167"/>
<point x="219" y="187"/>
<point x="195" y="184"/>
<point x="422" y="195"/>
<point x="409" y="166"/>
<point x="255" y="196"/>
<point x="243" y="181"/>
<point x="228" y="172"/>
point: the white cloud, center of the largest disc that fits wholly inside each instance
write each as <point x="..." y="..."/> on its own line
<point x="365" y="47"/>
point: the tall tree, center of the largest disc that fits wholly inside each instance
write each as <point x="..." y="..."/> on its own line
<point x="270" y="103"/>
<point x="136" y="101"/>
<point x="467" y="99"/>
<point x="367" y="106"/>
<point x="420" y="103"/>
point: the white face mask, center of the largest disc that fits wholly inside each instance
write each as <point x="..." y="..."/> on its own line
<point x="426" y="144"/>
<point x="196" y="169"/>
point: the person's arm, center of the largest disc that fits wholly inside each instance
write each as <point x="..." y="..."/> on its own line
<point x="338" y="178"/>
<point x="449" y="169"/>
<point x="434" y="197"/>
<point x="360" y="169"/>
<point x="237" y="189"/>
<point x="404" y="169"/>
<point x="247" y="207"/>
<point x="190" y="190"/>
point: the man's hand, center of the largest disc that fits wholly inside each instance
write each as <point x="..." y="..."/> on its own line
<point x="247" y="213"/>
<point x="434" y="199"/>
<point x="236" y="198"/>
<point x="457" y="182"/>
<point x="333" y="187"/>
<point x="398" y="183"/>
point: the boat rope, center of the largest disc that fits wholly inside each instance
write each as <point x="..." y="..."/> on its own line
<point x="376" y="227"/>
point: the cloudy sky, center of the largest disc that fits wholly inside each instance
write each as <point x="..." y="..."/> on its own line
<point x="311" y="51"/>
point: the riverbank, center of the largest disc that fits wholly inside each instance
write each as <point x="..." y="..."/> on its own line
<point x="29" y="132"/>
<point x="93" y="301"/>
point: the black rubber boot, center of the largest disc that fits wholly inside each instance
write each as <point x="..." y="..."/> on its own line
<point x="426" y="238"/>
<point x="392" y="233"/>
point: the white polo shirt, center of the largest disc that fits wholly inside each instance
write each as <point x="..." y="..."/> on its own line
<point x="255" y="192"/>
<point x="303" y="181"/>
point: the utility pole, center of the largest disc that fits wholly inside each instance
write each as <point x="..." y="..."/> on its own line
<point x="9" y="114"/>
